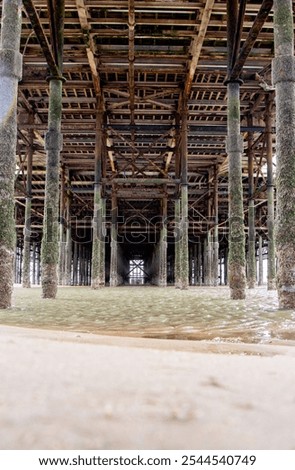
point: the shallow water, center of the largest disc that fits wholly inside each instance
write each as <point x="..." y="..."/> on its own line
<point x="199" y="313"/>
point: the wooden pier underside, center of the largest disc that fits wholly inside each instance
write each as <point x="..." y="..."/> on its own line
<point x="132" y="70"/>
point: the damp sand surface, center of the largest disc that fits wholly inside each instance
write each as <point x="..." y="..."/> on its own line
<point x="199" y="313"/>
<point x="68" y="390"/>
<point x="94" y="370"/>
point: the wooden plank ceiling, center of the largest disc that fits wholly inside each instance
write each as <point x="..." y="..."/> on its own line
<point x="143" y="58"/>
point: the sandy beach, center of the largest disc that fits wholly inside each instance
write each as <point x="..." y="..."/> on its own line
<point x="68" y="390"/>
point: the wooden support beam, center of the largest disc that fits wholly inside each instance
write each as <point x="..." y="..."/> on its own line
<point x="141" y="181"/>
<point x="56" y="10"/>
<point x="197" y="45"/>
<point x="239" y="30"/>
<point x="42" y="39"/>
<point x="131" y="70"/>
<point x="252" y="36"/>
<point x="90" y="45"/>
<point x="206" y="129"/>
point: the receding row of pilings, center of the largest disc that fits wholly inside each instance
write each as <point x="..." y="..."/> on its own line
<point x="76" y="267"/>
<point x="75" y="270"/>
<point x="33" y="255"/>
<point x="210" y="268"/>
<point x="284" y="81"/>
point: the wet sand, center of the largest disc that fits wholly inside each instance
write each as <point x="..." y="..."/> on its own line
<point x="199" y="313"/>
<point x="69" y="390"/>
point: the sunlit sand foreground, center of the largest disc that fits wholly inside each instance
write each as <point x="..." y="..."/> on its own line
<point x="70" y="390"/>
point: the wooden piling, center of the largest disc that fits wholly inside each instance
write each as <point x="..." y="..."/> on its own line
<point x="27" y="230"/>
<point x="251" y="271"/>
<point x="234" y="147"/>
<point x="114" y="242"/>
<point x="53" y="145"/>
<point x="183" y="257"/>
<point x="271" y="258"/>
<point x="177" y="243"/>
<point x="162" y="282"/>
<point x="215" y="255"/>
<point x="98" y="240"/>
<point x="237" y="274"/>
<point x="10" y="74"/>
<point x="284" y="81"/>
<point x="62" y="229"/>
<point x="260" y="261"/>
<point x="75" y="264"/>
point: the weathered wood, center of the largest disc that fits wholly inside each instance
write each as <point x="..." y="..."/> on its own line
<point x="163" y="247"/>
<point x="41" y="36"/>
<point x="177" y="243"/>
<point x="68" y="254"/>
<point x="197" y="45"/>
<point x="184" y="261"/>
<point x="20" y="264"/>
<point x="50" y="245"/>
<point x="80" y="264"/>
<point x="10" y="74"/>
<point x="75" y="264"/>
<point x="160" y="74"/>
<point x="200" y="264"/>
<point x="260" y="262"/>
<point x="53" y="146"/>
<point x="114" y="242"/>
<point x="271" y="258"/>
<point x="220" y="271"/>
<point x="232" y="7"/>
<point x="215" y="255"/>
<point x="39" y="265"/>
<point x="234" y="148"/>
<point x="253" y="34"/>
<point x="184" y="256"/>
<point x="34" y="255"/>
<point x="142" y="181"/>
<point x="226" y="266"/>
<point x="90" y="45"/>
<point x="239" y="31"/>
<point x="237" y="276"/>
<point x="284" y="81"/>
<point x="194" y="264"/>
<point x="131" y="59"/>
<point x="251" y="271"/>
<point x="62" y="234"/>
<point x="191" y="264"/>
<point x="15" y="264"/>
<point x="98" y="258"/>
<point x="28" y="212"/>
<point x="208" y="259"/>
